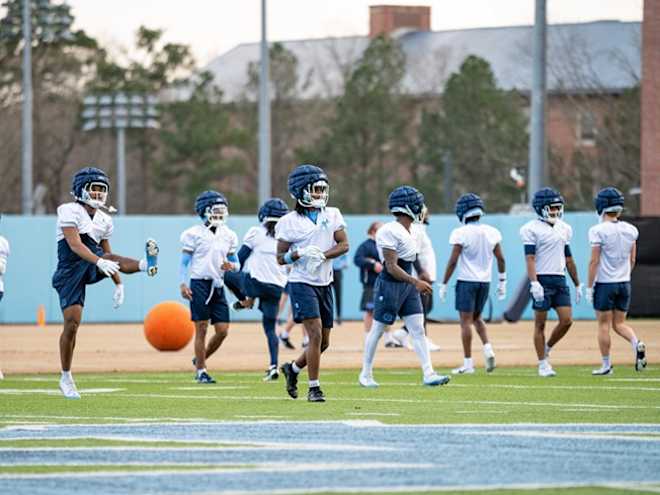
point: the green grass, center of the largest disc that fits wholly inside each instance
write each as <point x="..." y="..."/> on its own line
<point x="509" y="395"/>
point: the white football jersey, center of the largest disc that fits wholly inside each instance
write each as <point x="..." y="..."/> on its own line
<point x="75" y="215"/>
<point x="616" y="240"/>
<point x="301" y="231"/>
<point x="4" y="255"/>
<point x="426" y="253"/>
<point x="396" y="237"/>
<point x="550" y="242"/>
<point x="262" y="263"/>
<point x="478" y="240"/>
<point x="209" y="250"/>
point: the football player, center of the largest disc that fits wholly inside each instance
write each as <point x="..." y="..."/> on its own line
<point x="84" y="257"/>
<point x="308" y="239"/>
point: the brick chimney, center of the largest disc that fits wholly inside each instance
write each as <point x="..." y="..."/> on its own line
<point x="650" y="105"/>
<point x="389" y="18"/>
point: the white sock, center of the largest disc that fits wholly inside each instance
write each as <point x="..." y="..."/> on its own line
<point x="314" y="383"/>
<point x="200" y="371"/>
<point x="634" y="343"/>
<point x="66" y="375"/>
<point x="370" y="345"/>
<point x="606" y="361"/>
<point x="467" y="363"/>
<point x="543" y="363"/>
<point x="547" y="351"/>
<point x="284" y="334"/>
<point x="415" y="326"/>
<point x="142" y="265"/>
<point x="296" y="369"/>
<point x="305" y="339"/>
<point x="488" y="349"/>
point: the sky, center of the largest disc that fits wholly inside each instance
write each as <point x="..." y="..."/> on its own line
<point x="213" y="27"/>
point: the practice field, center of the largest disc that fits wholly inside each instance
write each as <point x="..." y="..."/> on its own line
<point x="137" y="431"/>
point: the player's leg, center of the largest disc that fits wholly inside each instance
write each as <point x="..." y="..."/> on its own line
<point x="199" y="361"/>
<point x="415" y="325"/>
<point x="219" y="320"/>
<point x="72" y="316"/>
<point x="366" y="378"/>
<point x="216" y="340"/>
<point x="604" y="322"/>
<point x="269" y="298"/>
<point x="480" y="326"/>
<point x="625" y="331"/>
<point x="148" y="264"/>
<point x="560" y="299"/>
<point x="565" y="320"/>
<point x="466" y="322"/>
<point x="540" y="318"/>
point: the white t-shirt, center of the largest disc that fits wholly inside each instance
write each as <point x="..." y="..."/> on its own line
<point x="426" y="253"/>
<point x="478" y="240"/>
<point x="300" y="231"/>
<point x="4" y="254"/>
<point x="616" y="240"/>
<point x="550" y="242"/>
<point x="262" y="263"/>
<point x="396" y="237"/>
<point x="75" y="215"/>
<point x="209" y="250"/>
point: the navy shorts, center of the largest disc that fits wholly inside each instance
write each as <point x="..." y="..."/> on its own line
<point x="1" y="294"/>
<point x="216" y="309"/>
<point x="367" y="301"/>
<point x="471" y="297"/>
<point x="70" y="280"/>
<point x="610" y="296"/>
<point x="556" y="293"/>
<point x="312" y="301"/>
<point x="394" y="299"/>
<point x="269" y="295"/>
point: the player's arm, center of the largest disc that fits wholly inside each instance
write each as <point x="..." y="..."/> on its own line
<point x="499" y="256"/>
<point x="451" y="263"/>
<point x="231" y="264"/>
<point x="75" y="243"/>
<point x="243" y="254"/>
<point x="570" y="266"/>
<point x="105" y="245"/>
<point x="393" y="268"/>
<point x="341" y="246"/>
<point x="186" y="259"/>
<point x="530" y="262"/>
<point x="284" y="256"/>
<point x="633" y="256"/>
<point x="594" y="261"/>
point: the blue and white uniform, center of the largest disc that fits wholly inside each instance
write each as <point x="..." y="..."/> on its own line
<point x="4" y="255"/>
<point x="551" y="246"/>
<point x="393" y="297"/>
<point x="365" y="259"/>
<point x="209" y="247"/>
<point x="475" y="264"/>
<point x="311" y="294"/>
<point x="73" y="273"/>
<point x="616" y="240"/>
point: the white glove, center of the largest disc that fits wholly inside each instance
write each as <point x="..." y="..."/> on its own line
<point x="313" y="252"/>
<point x="536" y="289"/>
<point x="589" y="295"/>
<point x="3" y="266"/>
<point x="501" y="290"/>
<point x="442" y="292"/>
<point x="108" y="267"/>
<point x="118" y="296"/>
<point x="579" y="289"/>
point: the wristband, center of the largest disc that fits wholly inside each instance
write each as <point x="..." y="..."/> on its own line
<point x="502" y="277"/>
<point x="288" y="258"/>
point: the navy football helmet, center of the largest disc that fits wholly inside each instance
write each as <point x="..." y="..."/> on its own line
<point x="469" y="205"/>
<point x="609" y="200"/>
<point x="306" y="182"/>
<point x="91" y="185"/>
<point x="212" y="207"/>
<point x="272" y="210"/>
<point x="548" y="199"/>
<point x="409" y="201"/>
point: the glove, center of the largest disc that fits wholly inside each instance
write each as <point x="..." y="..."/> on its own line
<point x="501" y="290"/>
<point x="108" y="267"/>
<point x="118" y="296"/>
<point x="579" y="289"/>
<point x="313" y="252"/>
<point x="589" y="295"/>
<point x="442" y="292"/>
<point x="313" y="265"/>
<point x="536" y="289"/>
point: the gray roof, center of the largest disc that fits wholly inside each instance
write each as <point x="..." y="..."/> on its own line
<point x="585" y="57"/>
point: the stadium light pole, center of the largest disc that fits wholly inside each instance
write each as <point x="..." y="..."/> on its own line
<point x="120" y="111"/>
<point x="26" y="112"/>
<point x="264" y="113"/>
<point x="537" y="145"/>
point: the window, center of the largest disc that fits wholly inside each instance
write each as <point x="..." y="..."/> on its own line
<point x="587" y="129"/>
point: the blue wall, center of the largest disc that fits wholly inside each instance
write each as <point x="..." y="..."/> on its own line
<point x="33" y="259"/>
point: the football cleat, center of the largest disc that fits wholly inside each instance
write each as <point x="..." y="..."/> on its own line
<point x="462" y="370"/>
<point x="291" y="380"/>
<point x="315" y="394"/>
<point x="546" y="371"/>
<point x="271" y="374"/>
<point x="640" y="360"/>
<point x="367" y="381"/>
<point x="204" y="377"/>
<point x="287" y="343"/>
<point x="151" y="249"/>
<point x="434" y="380"/>
<point x="68" y="388"/>
<point x="603" y="371"/>
<point x="490" y="362"/>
